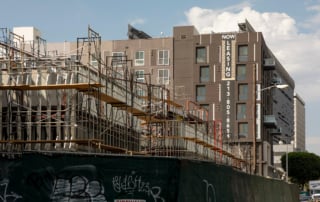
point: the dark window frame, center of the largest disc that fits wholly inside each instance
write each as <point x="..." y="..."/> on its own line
<point x="201" y="57"/>
<point x="243" y="94"/>
<point x="241" y="70"/>
<point x="200" y="97"/>
<point x="243" y="52"/>
<point x="243" y="132"/>
<point x="241" y="112"/>
<point x="204" y="78"/>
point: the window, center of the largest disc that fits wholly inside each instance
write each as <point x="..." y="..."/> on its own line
<point x="243" y="129"/>
<point x="139" y="75"/>
<point x="140" y="92"/>
<point x="243" y="53"/>
<point x="201" y="55"/>
<point x="139" y="60"/>
<point x="204" y="74"/>
<point x="241" y="111"/>
<point x="241" y="72"/>
<point x="243" y="92"/>
<point x="205" y="106"/>
<point x="93" y="60"/>
<point x="163" y="57"/>
<point x="204" y="112"/>
<point x="163" y="76"/>
<point x="118" y="59"/>
<point x="201" y="93"/>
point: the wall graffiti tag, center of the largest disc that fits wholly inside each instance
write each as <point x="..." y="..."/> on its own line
<point x="77" y="188"/>
<point x="210" y="192"/>
<point x="5" y="195"/>
<point x="79" y="183"/>
<point x="134" y="183"/>
<point x="70" y="186"/>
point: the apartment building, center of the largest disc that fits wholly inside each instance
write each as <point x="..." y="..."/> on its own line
<point x="234" y="77"/>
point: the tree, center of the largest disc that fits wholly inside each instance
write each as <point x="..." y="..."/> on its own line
<point x="302" y="166"/>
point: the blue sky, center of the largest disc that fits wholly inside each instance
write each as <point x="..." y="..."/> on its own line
<point x="291" y="29"/>
<point x="61" y="20"/>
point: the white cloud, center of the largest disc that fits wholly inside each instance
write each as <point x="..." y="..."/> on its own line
<point x="314" y="22"/>
<point x="296" y="51"/>
<point x="314" y="8"/>
<point x="313" y="144"/>
<point x="137" y="21"/>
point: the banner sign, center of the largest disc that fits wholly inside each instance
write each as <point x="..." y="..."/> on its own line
<point x="228" y="57"/>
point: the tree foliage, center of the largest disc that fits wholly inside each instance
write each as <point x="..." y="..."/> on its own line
<point x="302" y="166"/>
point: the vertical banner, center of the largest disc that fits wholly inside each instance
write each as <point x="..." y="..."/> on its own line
<point x="228" y="57"/>
<point x="228" y="78"/>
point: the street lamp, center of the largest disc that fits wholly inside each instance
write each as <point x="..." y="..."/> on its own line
<point x="280" y="86"/>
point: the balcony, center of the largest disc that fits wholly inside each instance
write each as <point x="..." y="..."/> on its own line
<point x="269" y="64"/>
<point x="270" y="121"/>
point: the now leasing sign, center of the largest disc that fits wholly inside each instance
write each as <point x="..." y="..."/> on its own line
<point x="228" y="77"/>
<point x="228" y="56"/>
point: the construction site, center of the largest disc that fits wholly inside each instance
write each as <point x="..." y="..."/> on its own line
<point x="66" y="104"/>
<point x="80" y="126"/>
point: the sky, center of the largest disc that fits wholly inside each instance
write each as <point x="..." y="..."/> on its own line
<point x="291" y="29"/>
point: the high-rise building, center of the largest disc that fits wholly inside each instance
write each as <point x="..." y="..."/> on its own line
<point x="299" y="124"/>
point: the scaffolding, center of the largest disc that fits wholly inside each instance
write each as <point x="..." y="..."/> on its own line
<point x="92" y="104"/>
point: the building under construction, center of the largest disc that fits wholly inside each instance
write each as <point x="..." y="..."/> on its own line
<point x="67" y="104"/>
